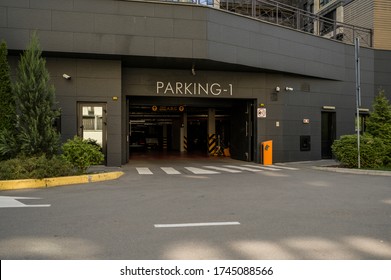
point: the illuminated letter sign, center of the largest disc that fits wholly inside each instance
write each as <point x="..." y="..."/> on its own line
<point x="194" y="89"/>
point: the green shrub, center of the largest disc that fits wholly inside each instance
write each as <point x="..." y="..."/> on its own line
<point x="35" y="168"/>
<point x="82" y="153"/>
<point x="373" y="151"/>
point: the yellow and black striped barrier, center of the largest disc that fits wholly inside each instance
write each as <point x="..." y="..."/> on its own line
<point x="185" y="143"/>
<point x="165" y="143"/>
<point x="212" y="144"/>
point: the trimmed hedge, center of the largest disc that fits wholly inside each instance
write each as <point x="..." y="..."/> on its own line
<point x="35" y="168"/>
<point x="82" y="153"/>
<point x="373" y="151"/>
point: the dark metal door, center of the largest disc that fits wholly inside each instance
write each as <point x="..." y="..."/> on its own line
<point x="242" y="131"/>
<point x="329" y="133"/>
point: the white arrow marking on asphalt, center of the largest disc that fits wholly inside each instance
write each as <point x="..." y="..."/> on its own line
<point x="12" y="202"/>
<point x="196" y="225"/>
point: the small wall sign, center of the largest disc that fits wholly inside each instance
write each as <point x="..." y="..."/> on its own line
<point x="261" y="112"/>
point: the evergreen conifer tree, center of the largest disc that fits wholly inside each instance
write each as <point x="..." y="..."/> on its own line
<point x="35" y="100"/>
<point x="7" y="107"/>
<point x="7" y="102"/>
<point x="379" y="122"/>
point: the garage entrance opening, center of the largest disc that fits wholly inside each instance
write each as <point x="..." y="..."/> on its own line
<point x="162" y="127"/>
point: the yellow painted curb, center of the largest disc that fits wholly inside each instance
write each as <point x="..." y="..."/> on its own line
<point x="58" y="181"/>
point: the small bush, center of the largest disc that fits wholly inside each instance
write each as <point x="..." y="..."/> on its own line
<point x="35" y="168"/>
<point x="82" y="153"/>
<point x="373" y="151"/>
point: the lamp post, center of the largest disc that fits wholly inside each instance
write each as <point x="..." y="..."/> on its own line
<point x="358" y="96"/>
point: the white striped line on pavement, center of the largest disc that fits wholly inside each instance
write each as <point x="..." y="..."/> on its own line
<point x="198" y="171"/>
<point x="243" y="168"/>
<point x="223" y="169"/>
<point x="284" y="167"/>
<point x="170" y="170"/>
<point x="196" y="225"/>
<point x="144" y="171"/>
<point x="263" y="167"/>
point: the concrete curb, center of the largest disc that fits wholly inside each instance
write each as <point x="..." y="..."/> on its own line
<point x="353" y="171"/>
<point x="58" y="181"/>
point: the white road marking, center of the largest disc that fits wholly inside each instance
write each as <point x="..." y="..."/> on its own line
<point x="144" y="171"/>
<point x="197" y="170"/>
<point x="243" y="168"/>
<point x="223" y="169"/>
<point x="12" y="202"/>
<point x="285" y="167"/>
<point x="263" y="167"/>
<point x="170" y="170"/>
<point x="196" y="225"/>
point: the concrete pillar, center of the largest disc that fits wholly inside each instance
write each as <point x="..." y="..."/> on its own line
<point x="211" y="121"/>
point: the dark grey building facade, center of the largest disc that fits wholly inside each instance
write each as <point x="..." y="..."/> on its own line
<point x="178" y="73"/>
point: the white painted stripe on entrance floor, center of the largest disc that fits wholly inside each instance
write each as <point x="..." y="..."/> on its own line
<point x="12" y="202"/>
<point x="197" y="225"/>
<point x="144" y="171"/>
<point x="263" y="167"/>
<point x="170" y="170"/>
<point x="197" y="171"/>
<point x="243" y="168"/>
<point x="223" y="169"/>
<point x="285" y="167"/>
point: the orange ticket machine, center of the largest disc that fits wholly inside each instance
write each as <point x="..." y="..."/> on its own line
<point x="267" y="152"/>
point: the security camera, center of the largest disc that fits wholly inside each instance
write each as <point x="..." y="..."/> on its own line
<point x="289" y="89"/>
<point x="65" y="76"/>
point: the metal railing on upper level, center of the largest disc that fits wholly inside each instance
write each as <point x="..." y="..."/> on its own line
<point x="291" y="17"/>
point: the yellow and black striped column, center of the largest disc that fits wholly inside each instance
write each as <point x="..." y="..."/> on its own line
<point x="185" y="143"/>
<point x="165" y="143"/>
<point x="212" y="144"/>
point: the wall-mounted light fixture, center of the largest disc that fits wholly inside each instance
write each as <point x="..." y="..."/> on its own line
<point x="66" y="76"/>
<point x="278" y="89"/>
<point x="328" y="107"/>
<point x="193" y="72"/>
<point x="363" y="110"/>
<point x="288" y="89"/>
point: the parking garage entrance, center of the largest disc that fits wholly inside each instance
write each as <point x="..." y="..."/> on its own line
<point x="194" y="127"/>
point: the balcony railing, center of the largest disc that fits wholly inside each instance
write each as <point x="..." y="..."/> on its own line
<point x="291" y="17"/>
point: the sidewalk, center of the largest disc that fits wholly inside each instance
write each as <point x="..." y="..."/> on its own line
<point x="331" y="165"/>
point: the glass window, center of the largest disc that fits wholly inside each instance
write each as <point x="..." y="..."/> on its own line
<point x="324" y="2"/>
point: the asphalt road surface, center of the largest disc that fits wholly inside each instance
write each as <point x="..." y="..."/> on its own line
<point x="203" y="209"/>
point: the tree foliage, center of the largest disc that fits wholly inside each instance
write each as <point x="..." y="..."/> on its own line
<point x="33" y="132"/>
<point x="7" y="102"/>
<point x="82" y="153"/>
<point x="375" y="144"/>
<point x="37" y="167"/>
<point x="379" y="122"/>
<point x="373" y="151"/>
